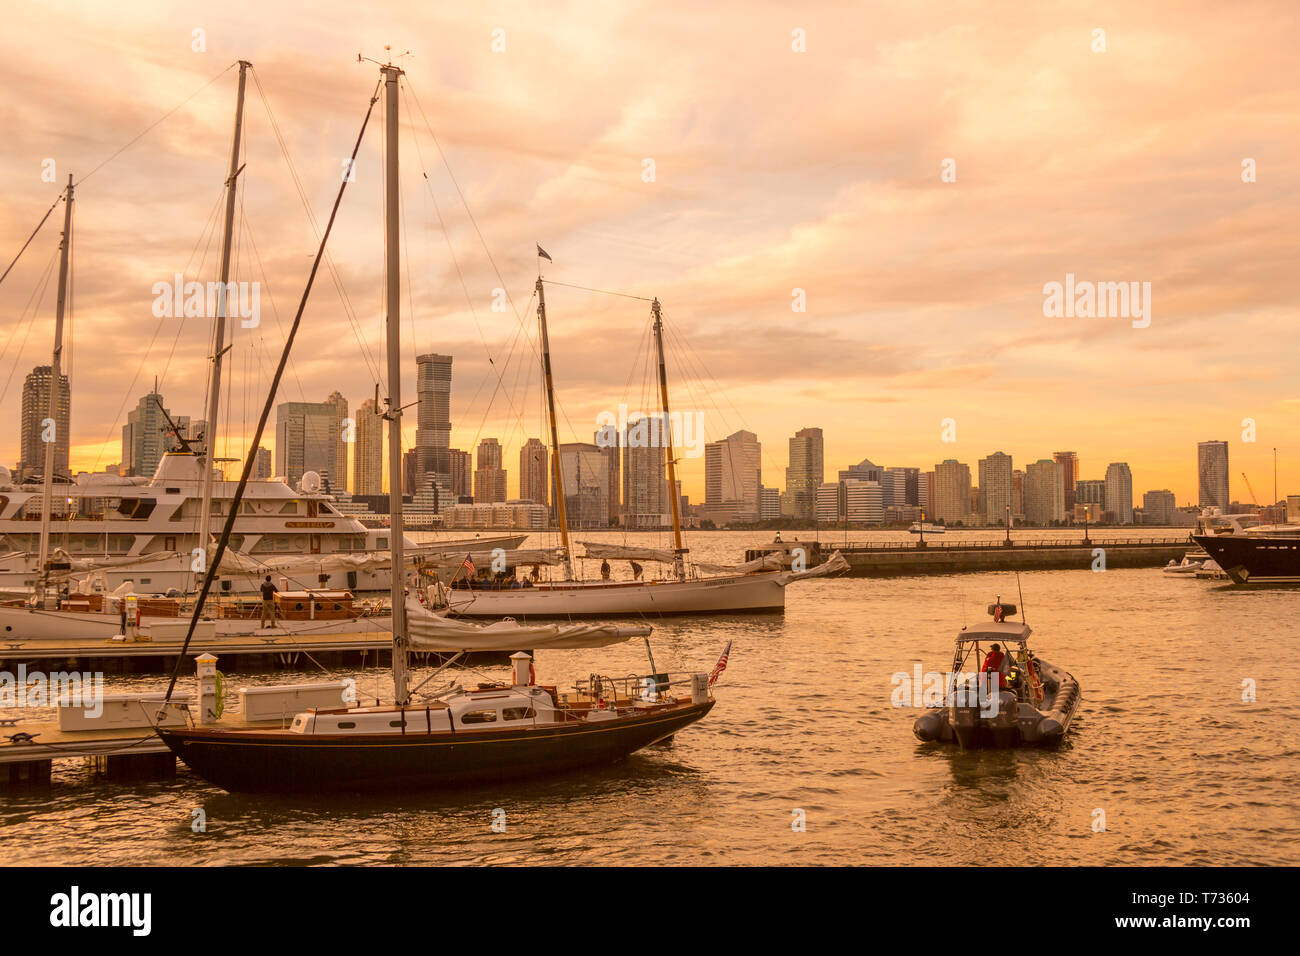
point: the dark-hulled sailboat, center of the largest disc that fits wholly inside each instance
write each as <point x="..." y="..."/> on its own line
<point x="491" y="733"/>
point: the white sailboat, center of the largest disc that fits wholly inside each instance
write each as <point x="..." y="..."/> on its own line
<point x="745" y="590"/>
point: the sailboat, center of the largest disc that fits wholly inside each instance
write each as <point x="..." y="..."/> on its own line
<point x="745" y="589"/>
<point x="490" y="733"/>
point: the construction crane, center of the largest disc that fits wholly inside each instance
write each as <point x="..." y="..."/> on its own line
<point x="1253" y="499"/>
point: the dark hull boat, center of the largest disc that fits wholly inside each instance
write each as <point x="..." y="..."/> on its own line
<point x="1255" y="558"/>
<point x="279" y="761"/>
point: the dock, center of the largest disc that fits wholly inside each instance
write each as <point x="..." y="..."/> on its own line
<point x="938" y="556"/>
<point x="237" y="652"/>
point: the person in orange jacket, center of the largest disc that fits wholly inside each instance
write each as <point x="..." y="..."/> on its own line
<point x="993" y="662"/>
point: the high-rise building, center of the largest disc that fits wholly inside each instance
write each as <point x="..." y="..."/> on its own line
<point x="1119" y="492"/>
<point x="865" y="470"/>
<point x="461" y="464"/>
<point x="584" y="471"/>
<point x="489" y="476"/>
<point x="306" y="439"/>
<point x="769" y="504"/>
<point x="1069" y="463"/>
<point x="996" y="487"/>
<point x="35" y="411"/>
<point x="1044" y="492"/>
<point x="733" y="473"/>
<point x="864" y="501"/>
<point x="368" y="450"/>
<point x="1159" y="507"/>
<point x="1212" y="474"/>
<point x="952" y="492"/>
<point x="146" y="436"/>
<point x="806" y="470"/>
<point x="614" y="472"/>
<point x="645" y="482"/>
<point x="533" y="472"/>
<point x="1018" y="493"/>
<point x="904" y="487"/>
<point x="830" y="502"/>
<point x="1091" y="491"/>
<point x="433" y="414"/>
<point x="925" y="493"/>
<point x="262" y="464"/>
<point x="339" y="470"/>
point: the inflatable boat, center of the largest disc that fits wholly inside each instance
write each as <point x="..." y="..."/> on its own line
<point x="1003" y="696"/>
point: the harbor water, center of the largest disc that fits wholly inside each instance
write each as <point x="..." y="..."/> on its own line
<point x="1185" y="750"/>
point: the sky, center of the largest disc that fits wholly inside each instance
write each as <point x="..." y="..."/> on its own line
<point x="912" y="175"/>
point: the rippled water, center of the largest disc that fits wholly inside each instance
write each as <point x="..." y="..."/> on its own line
<point x="1184" y="770"/>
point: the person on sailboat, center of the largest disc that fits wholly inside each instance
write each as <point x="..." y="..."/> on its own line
<point x="604" y="570"/>
<point x="636" y="570"/>
<point x="268" y="602"/>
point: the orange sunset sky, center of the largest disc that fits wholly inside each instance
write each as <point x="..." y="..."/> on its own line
<point x="775" y="169"/>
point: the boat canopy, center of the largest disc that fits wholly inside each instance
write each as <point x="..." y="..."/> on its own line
<point x="995" y="631"/>
<point x="430" y="631"/>
<point x="626" y="552"/>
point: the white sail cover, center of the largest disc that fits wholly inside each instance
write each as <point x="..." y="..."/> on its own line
<point x="449" y="562"/>
<point x="767" y="562"/>
<point x="832" y="565"/>
<point x="625" y="552"/>
<point x="429" y="631"/>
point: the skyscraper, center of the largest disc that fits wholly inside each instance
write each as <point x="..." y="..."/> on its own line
<point x="733" y="473"/>
<point x="645" y="482"/>
<point x="1045" y="492"/>
<point x="262" y="464"/>
<point x="1159" y="507"/>
<point x="1212" y="474"/>
<point x="368" y="451"/>
<point x="806" y="470"/>
<point x="1119" y="492"/>
<point x="146" y="436"/>
<point x="433" y="416"/>
<point x="951" y="494"/>
<point x="584" y="470"/>
<point x="306" y="439"/>
<point x="534" y="472"/>
<point x="36" y="409"/>
<point x="1069" y="463"/>
<point x="996" y="487"/>
<point x="339" y="471"/>
<point x="489" y="476"/>
<point x="461" y="464"/>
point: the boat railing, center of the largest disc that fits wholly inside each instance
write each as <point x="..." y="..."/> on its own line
<point x="1001" y="544"/>
<point x="615" y="692"/>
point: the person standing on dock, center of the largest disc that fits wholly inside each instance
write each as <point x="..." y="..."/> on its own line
<point x="268" y="602"/>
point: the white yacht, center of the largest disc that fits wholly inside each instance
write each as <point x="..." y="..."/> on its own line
<point x="146" y="531"/>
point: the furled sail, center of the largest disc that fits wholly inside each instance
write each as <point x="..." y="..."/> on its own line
<point x="430" y="631"/>
<point x="625" y="552"/>
<point x="832" y="565"/>
<point x="766" y="563"/>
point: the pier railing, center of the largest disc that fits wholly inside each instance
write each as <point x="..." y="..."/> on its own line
<point x="1000" y="545"/>
<point x="618" y="692"/>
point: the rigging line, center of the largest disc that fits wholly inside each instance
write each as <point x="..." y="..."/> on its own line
<point x="31" y="237"/>
<point x="335" y="277"/>
<point x="148" y="129"/>
<point x="34" y="302"/>
<point x="275" y="312"/>
<point x="126" y="396"/>
<point x="238" y="496"/>
<point x="624" y="295"/>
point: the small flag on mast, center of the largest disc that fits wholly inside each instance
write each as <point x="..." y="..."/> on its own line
<point x="721" y="665"/>
<point x="468" y="565"/>
<point x="541" y="254"/>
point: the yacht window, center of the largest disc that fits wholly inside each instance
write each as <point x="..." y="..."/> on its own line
<point x="397" y="723"/>
<point x="381" y="542"/>
<point x="518" y="713"/>
<point x="347" y="725"/>
<point x="289" y="508"/>
<point x="479" y="717"/>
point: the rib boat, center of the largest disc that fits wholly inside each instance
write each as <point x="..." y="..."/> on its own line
<point x="1024" y="702"/>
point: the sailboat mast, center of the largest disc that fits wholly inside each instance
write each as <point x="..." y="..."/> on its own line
<point x="52" y="412"/>
<point x="393" y="265"/>
<point x="557" y="473"/>
<point x="208" y="454"/>
<point x="667" y="434"/>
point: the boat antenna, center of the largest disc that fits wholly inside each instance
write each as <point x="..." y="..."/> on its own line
<point x="1023" y="619"/>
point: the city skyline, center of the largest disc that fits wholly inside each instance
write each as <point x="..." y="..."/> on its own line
<point x="914" y="313"/>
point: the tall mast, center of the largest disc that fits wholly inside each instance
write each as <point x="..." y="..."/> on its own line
<point x="52" y="410"/>
<point x="667" y="432"/>
<point x="208" y="454"/>
<point x="392" y="270"/>
<point x="557" y="473"/>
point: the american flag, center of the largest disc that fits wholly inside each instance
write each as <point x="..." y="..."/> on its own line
<point x="468" y="565"/>
<point x="722" y="664"/>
